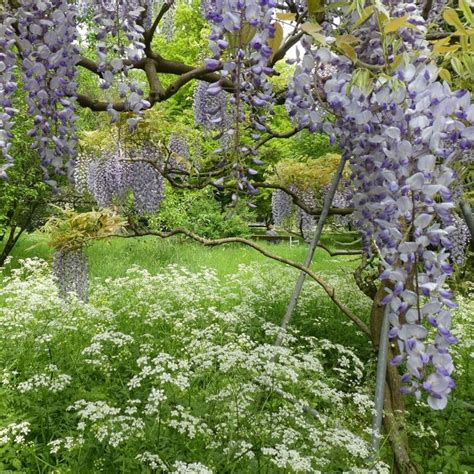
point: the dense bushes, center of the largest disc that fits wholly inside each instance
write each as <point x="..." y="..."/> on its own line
<point x="201" y="213"/>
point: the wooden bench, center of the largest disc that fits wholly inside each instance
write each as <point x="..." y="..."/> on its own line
<point x="277" y="238"/>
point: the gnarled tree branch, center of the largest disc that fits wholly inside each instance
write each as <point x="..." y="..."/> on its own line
<point x="329" y="290"/>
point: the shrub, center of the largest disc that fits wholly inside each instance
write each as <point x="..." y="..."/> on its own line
<point x="201" y="213"/>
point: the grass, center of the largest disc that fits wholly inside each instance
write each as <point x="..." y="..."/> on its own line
<point x="113" y="257"/>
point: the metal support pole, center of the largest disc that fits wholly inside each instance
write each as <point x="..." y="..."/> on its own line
<point x="468" y="218"/>
<point x="380" y="383"/>
<point x="312" y="247"/>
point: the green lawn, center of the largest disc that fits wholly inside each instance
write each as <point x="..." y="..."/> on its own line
<point x="113" y="257"/>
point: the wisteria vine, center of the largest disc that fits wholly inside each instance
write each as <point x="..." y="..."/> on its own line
<point x="402" y="134"/>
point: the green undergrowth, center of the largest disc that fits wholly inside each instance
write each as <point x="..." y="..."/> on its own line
<point x="222" y="304"/>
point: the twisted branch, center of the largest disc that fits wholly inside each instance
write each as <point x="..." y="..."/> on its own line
<point x="329" y="290"/>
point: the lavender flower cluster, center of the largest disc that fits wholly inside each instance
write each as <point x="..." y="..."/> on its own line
<point x="47" y="37"/>
<point x="401" y="136"/>
<point x="460" y="238"/>
<point x="7" y="88"/>
<point x="110" y="178"/>
<point x="342" y="200"/>
<point x="210" y="110"/>
<point x="305" y="222"/>
<point x="112" y="19"/>
<point x="70" y="268"/>
<point x="240" y="42"/>
<point x="282" y="206"/>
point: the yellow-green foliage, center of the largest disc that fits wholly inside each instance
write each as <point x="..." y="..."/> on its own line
<point x="72" y="230"/>
<point x="455" y="52"/>
<point x="154" y="127"/>
<point x="306" y="174"/>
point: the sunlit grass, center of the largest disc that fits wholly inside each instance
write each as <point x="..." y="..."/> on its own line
<point x="113" y="257"/>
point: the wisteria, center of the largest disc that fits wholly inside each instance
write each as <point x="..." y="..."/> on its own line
<point x="342" y="200"/>
<point x="167" y="26"/>
<point x="47" y="35"/>
<point x="70" y="268"/>
<point x="147" y="186"/>
<point x="240" y="41"/>
<point x="243" y="30"/>
<point x="402" y="135"/>
<point x="7" y="88"/>
<point x="282" y="206"/>
<point x="110" y="177"/>
<point x="110" y="19"/>
<point x="460" y="238"/>
<point x="210" y="110"/>
<point x="305" y="222"/>
<point x="178" y="146"/>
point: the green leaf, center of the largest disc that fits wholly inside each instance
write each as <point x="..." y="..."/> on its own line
<point x="467" y="12"/>
<point x="445" y="75"/>
<point x="365" y="15"/>
<point x="348" y="50"/>
<point x="286" y="16"/>
<point x="394" y="25"/>
<point x="451" y="18"/>
<point x="311" y="28"/>
<point x="457" y="66"/>
<point x="276" y="41"/>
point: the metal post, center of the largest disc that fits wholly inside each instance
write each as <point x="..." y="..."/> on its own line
<point x="468" y="217"/>
<point x="312" y="247"/>
<point x="380" y="383"/>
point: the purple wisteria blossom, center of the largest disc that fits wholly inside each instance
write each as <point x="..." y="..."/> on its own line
<point x="47" y="36"/>
<point x="70" y="268"/>
<point x="113" y="175"/>
<point x="401" y="141"/>
<point x="282" y="206"/>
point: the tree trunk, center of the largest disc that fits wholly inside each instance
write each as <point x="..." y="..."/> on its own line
<point x="10" y="243"/>
<point x="393" y="401"/>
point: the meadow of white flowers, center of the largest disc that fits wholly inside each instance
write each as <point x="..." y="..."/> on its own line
<point x="175" y="372"/>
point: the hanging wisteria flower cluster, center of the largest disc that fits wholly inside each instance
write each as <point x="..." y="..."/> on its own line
<point x="111" y="177"/>
<point x="240" y="41"/>
<point x="460" y="239"/>
<point x="282" y="206"/>
<point x="70" y="268"/>
<point x="111" y="18"/>
<point x="69" y="233"/>
<point x="167" y="26"/>
<point x="7" y="88"/>
<point x="242" y="31"/>
<point x="46" y="37"/>
<point x="305" y="222"/>
<point x="401" y="135"/>
<point x="212" y="111"/>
